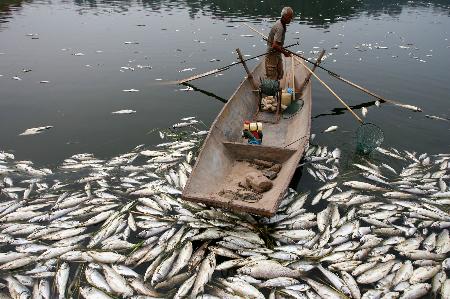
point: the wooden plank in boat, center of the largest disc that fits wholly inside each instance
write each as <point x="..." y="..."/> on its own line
<point x="246" y="151"/>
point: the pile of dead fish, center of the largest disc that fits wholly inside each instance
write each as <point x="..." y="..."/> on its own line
<point x="117" y="228"/>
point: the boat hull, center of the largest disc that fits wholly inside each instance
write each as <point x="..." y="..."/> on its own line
<point x="221" y="164"/>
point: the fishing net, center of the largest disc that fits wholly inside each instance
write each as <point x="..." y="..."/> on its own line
<point x="293" y="109"/>
<point x="368" y="138"/>
<point x="270" y="87"/>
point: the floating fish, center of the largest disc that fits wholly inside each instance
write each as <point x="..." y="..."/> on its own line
<point x="187" y="69"/>
<point x="364" y="111"/>
<point x="410" y="107"/>
<point x="125" y="111"/>
<point x="437" y="117"/>
<point x="131" y="90"/>
<point x="34" y="131"/>
<point x="330" y="129"/>
<point x="181" y="125"/>
<point x="144" y="66"/>
<point x="186" y="89"/>
<point x="200" y="133"/>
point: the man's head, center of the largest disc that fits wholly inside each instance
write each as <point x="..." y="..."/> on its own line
<point x="287" y="14"/>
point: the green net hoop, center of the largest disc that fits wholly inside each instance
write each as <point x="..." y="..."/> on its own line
<point x="368" y="138"/>
<point x="270" y="87"/>
<point x="293" y="109"/>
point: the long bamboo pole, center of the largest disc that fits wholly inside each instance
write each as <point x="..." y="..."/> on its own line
<point x="332" y="92"/>
<point x="221" y="69"/>
<point x="293" y="78"/>
<point x="339" y="77"/>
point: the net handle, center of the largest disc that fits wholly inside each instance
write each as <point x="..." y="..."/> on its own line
<point x="332" y="92"/>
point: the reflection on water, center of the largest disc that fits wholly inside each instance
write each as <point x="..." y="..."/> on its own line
<point x="318" y="13"/>
<point x="310" y="12"/>
<point x="7" y="7"/>
<point x="339" y="110"/>
<point x="205" y="92"/>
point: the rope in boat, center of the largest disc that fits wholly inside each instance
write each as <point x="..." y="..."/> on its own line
<point x="296" y="141"/>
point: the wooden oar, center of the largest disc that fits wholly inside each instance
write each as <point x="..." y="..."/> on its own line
<point x="333" y="74"/>
<point x="332" y="92"/>
<point x="308" y="77"/>
<point x="249" y="74"/>
<point x="215" y="71"/>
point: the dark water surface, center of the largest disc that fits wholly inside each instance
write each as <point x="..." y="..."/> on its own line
<point x="172" y="36"/>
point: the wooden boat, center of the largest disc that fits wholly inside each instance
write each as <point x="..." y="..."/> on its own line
<point x="221" y="162"/>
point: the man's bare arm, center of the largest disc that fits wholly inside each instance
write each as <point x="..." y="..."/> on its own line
<point x="277" y="46"/>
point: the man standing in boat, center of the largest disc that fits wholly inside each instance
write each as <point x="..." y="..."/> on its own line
<point x="275" y="42"/>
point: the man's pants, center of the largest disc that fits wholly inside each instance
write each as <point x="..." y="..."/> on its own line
<point x="274" y="66"/>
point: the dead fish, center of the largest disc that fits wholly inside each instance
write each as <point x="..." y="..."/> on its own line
<point x="269" y="269"/>
<point x="205" y="272"/>
<point x="34" y="131"/>
<point x="364" y="111"/>
<point x="125" y="111"/>
<point x="410" y="107"/>
<point x="416" y="291"/>
<point x="93" y="293"/>
<point x="330" y="129"/>
<point x="181" y="125"/>
<point x="437" y="117"/>
<point x="186" y="89"/>
<point x="189" y="69"/>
